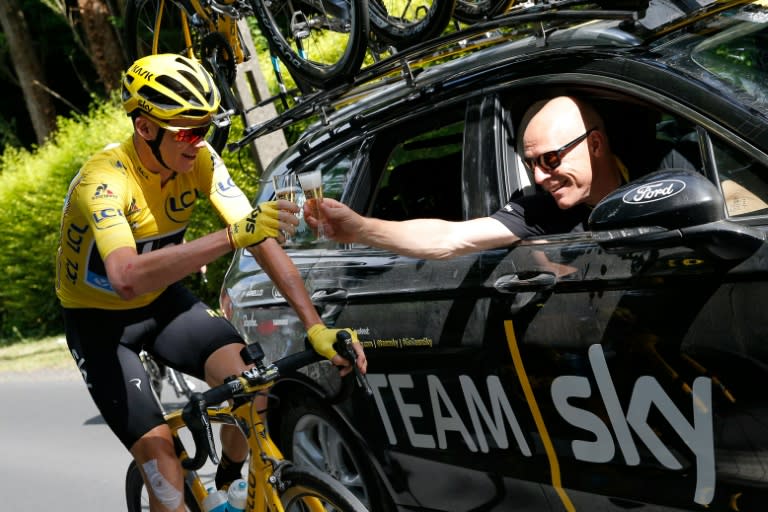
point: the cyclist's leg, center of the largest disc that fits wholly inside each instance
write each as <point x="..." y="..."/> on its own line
<point x="234" y="446"/>
<point x="105" y="345"/>
<point x="156" y="458"/>
<point x="201" y="343"/>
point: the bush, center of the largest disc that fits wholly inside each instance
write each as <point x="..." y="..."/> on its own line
<point x="32" y="190"/>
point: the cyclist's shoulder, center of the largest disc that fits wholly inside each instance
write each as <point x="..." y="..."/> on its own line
<point x="115" y="161"/>
<point x="114" y="157"/>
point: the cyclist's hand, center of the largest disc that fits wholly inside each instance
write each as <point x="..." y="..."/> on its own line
<point x="270" y="219"/>
<point x="322" y="339"/>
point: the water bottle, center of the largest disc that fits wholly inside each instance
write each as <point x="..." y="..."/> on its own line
<point x="216" y="501"/>
<point x="237" y="495"/>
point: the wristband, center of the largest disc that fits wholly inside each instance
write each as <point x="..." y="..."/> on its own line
<point x="229" y="238"/>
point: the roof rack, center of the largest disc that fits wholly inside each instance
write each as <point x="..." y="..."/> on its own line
<point x="475" y="36"/>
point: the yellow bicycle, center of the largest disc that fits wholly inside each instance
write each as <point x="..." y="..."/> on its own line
<point x="274" y="483"/>
<point x="321" y="42"/>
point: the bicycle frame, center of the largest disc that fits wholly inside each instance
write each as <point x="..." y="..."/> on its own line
<point x="214" y="22"/>
<point x="265" y="462"/>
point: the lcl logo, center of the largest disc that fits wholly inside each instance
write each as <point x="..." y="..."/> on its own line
<point x="654" y="191"/>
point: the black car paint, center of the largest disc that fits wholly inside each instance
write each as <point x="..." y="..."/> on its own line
<point x="630" y="357"/>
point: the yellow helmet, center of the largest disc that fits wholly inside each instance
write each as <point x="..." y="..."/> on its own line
<point x="168" y="87"/>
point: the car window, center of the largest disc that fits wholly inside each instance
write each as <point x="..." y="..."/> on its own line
<point x="742" y="180"/>
<point x="739" y="55"/>
<point x="422" y="177"/>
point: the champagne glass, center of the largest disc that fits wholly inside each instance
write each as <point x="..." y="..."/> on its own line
<point x="286" y="187"/>
<point x="312" y="184"/>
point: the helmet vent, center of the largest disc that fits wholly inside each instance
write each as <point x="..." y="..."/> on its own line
<point x="157" y="98"/>
<point x="184" y="92"/>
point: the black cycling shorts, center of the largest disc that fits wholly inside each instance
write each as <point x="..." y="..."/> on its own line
<point x="177" y="329"/>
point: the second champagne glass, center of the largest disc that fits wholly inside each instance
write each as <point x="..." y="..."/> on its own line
<point x="312" y="184"/>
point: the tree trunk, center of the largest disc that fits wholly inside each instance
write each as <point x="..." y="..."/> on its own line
<point x="28" y="69"/>
<point x="103" y="43"/>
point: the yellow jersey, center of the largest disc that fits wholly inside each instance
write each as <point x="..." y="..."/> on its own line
<point x="114" y="202"/>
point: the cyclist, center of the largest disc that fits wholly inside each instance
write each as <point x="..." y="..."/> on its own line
<point x="121" y="257"/>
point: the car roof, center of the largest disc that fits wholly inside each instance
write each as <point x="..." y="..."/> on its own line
<point x="474" y="54"/>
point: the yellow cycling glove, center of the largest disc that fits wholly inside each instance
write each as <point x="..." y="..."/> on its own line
<point x="254" y="228"/>
<point x="322" y="339"/>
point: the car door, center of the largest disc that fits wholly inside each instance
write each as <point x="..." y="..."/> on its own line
<point x="423" y="322"/>
<point x="638" y="349"/>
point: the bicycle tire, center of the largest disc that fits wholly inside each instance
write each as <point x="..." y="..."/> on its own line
<point x="301" y="38"/>
<point x="475" y="11"/>
<point x="137" y="500"/>
<point x="423" y="21"/>
<point x="140" y="16"/>
<point x="303" y="483"/>
<point x="307" y="430"/>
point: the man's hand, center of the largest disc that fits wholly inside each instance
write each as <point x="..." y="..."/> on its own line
<point x="322" y="339"/>
<point x="340" y="222"/>
<point x="271" y="219"/>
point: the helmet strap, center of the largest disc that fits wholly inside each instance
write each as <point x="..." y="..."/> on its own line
<point x="154" y="146"/>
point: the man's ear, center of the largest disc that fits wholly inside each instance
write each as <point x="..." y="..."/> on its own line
<point x="596" y="143"/>
<point x="144" y="128"/>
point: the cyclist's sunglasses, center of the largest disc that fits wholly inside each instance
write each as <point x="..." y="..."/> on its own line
<point x="189" y="135"/>
<point x="180" y="134"/>
<point x="551" y="160"/>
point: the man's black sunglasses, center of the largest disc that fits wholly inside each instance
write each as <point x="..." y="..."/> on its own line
<point x="551" y="160"/>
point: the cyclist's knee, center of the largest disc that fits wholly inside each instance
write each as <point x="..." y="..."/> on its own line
<point x="225" y="361"/>
<point x="156" y="448"/>
<point x="157" y="442"/>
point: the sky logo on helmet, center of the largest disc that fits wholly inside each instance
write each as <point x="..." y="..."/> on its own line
<point x="144" y="105"/>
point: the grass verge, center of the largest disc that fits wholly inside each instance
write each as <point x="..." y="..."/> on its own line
<point x="26" y="356"/>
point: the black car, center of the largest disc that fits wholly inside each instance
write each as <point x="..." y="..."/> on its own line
<point x="612" y="369"/>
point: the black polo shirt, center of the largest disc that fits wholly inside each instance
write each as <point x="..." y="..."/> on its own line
<point x="538" y="214"/>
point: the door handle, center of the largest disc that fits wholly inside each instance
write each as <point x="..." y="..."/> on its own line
<point x="515" y="283"/>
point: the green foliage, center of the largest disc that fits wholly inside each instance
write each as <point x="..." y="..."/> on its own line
<point x="33" y="184"/>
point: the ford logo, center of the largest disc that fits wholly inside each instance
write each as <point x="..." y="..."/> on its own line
<point x="655" y="191"/>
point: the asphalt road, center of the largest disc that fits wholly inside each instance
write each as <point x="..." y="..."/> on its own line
<point x="55" y="448"/>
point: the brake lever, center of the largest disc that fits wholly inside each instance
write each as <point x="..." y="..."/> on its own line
<point x="195" y="415"/>
<point x="343" y="347"/>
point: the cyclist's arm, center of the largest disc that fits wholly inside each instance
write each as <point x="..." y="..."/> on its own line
<point x="131" y="274"/>
<point x="282" y="271"/>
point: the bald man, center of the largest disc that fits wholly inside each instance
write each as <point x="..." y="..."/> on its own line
<point x="564" y="146"/>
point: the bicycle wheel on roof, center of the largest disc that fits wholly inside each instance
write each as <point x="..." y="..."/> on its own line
<point x="475" y="11"/>
<point x="154" y="26"/>
<point x="403" y="24"/>
<point x="321" y="42"/>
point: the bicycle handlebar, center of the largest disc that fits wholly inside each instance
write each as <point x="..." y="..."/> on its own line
<point x="195" y="412"/>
